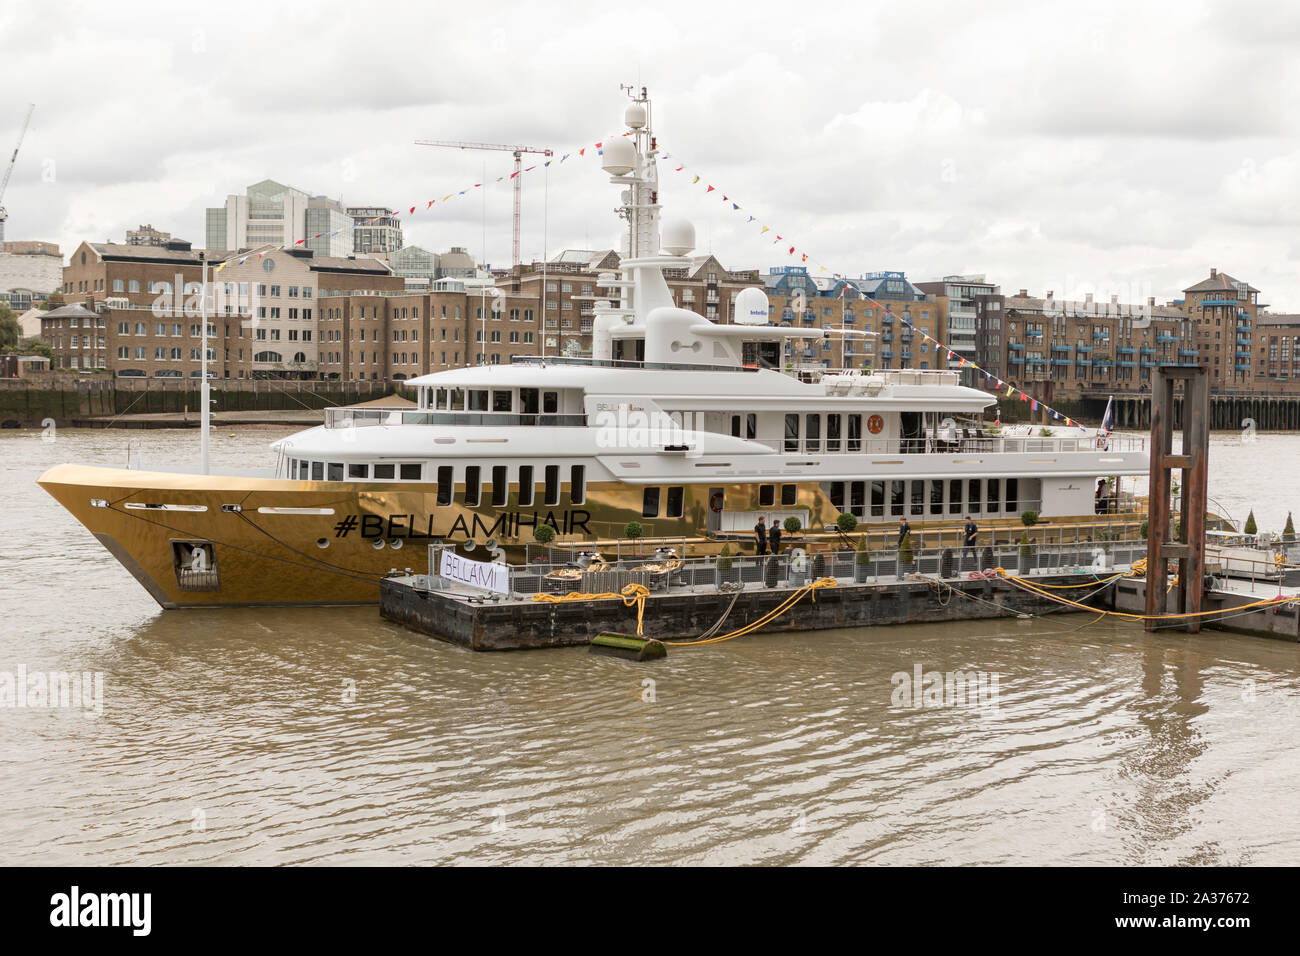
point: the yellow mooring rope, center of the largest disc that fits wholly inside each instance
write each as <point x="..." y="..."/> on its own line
<point x="635" y="594"/>
<point x="1035" y="589"/>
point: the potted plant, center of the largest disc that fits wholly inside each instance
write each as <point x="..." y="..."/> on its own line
<point x="1026" y="554"/>
<point x="727" y="571"/>
<point x="905" y="555"/>
<point x="1104" y="537"/>
<point x="633" y="530"/>
<point x="1029" y="518"/>
<point x="847" y="523"/>
<point x="819" y="566"/>
<point x="861" y="561"/>
<point x="1251" y="527"/>
<point x="1288" y="532"/>
<point x="792" y="525"/>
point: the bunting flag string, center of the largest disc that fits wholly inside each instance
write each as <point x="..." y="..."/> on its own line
<point x="941" y="348"/>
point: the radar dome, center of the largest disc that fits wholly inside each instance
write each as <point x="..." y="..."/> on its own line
<point x="678" y="237"/>
<point x="619" y="157"/>
<point x="751" y="307"/>
<point x="634" y="116"/>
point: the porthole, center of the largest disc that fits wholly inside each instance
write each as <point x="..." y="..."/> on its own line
<point x="395" y="544"/>
<point x="378" y="544"/>
<point x="322" y="543"/>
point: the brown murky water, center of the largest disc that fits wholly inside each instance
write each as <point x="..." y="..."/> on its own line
<point x="329" y="736"/>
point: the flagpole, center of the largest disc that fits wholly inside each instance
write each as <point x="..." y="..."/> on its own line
<point x="205" y="401"/>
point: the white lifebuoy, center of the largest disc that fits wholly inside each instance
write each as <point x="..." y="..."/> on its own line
<point x="715" y="502"/>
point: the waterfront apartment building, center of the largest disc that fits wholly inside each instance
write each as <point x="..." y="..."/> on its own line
<point x="962" y="293"/>
<point x="147" y="235"/>
<point x="262" y="316"/>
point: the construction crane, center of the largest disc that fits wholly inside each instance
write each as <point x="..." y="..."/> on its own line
<point x="518" y="179"/>
<point x="4" y="213"/>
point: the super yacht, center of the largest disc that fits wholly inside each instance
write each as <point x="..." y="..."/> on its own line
<point x="689" y="428"/>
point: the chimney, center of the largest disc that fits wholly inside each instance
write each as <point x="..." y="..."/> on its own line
<point x="1024" y="293"/>
<point x="1051" y="294"/>
<point x="1214" y="273"/>
<point x="1087" y="299"/>
<point x="1151" y="301"/>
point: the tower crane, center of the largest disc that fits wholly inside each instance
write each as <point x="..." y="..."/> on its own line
<point x="517" y="177"/>
<point x="4" y="213"/>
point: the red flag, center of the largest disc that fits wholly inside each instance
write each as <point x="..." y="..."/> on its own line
<point x="709" y="190"/>
<point x="792" y="250"/>
<point x="412" y="210"/>
<point x="430" y="204"/>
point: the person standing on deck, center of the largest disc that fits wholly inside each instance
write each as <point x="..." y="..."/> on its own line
<point x="760" y="536"/>
<point x="972" y="531"/>
<point x="904" y="529"/>
<point x="774" y="537"/>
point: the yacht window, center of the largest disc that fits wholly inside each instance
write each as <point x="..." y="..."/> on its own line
<point x="813" y="432"/>
<point x="478" y="400"/>
<point x="526" y="487"/>
<point x="918" y="497"/>
<point x="751" y="426"/>
<point x="440" y="399"/>
<point x="858" y="499"/>
<point x="528" y="401"/>
<point x="500" y="485"/>
<point x="792" y="433"/>
<point x="552" y="485"/>
<point x="766" y="496"/>
<point x="676" y="501"/>
<point x="302" y="470"/>
<point x="832" y="432"/>
<point x="457" y="399"/>
<point x="358" y="471"/>
<point x="954" y="496"/>
<point x="877" y="499"/>
<point x="318" y="471"/>
<point x="550" y="402"/>
<point x="444" y="484"/>
<point x="472" y="484"/>
<point x="936" y="497"/>
<point x="973" y="494"/>
<point x="578" y="486"/>
<point x="896" y="498"/>
<point x="335" y="471"/>
<point x="650" y="503"/>
<point x="411" y="472"/>
<point x="385" y="472"/>
<point x="735" y="426"/>
<point x="1013" y="493"/>
<point x="788" y="494"/>
<point x="837" y="495"/>
<point x="855" y="433"/>
<point x="502" y="401"/>
<point x="994" y="504"/>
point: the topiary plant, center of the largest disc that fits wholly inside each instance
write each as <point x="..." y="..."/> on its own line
<point x="1251" y="527"/>
<point x="1029" y="518"/>
<point x="543" y="534"/>
<point x="846" y="522"/>
<point x="633" y="530"/>
<point x="905" y="550"/>
<point x="863" y="557"/>
<point x="724" y="558"/>
<point x="1288" y="533"/>
<point x="792" y="525"/>
<point x="1026" y="546"/>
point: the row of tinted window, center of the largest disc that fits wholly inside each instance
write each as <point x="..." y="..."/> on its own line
<point x="989" y="496"/>
<point x="336" y="470"/>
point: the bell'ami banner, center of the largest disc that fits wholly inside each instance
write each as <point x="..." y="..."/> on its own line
<point x="479" y="574"/>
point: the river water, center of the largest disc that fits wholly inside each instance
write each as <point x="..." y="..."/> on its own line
<point x="330" y="736"/>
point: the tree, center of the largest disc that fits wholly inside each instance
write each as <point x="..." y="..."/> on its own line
<point x="1251" y="527"/>
<point x="543" y="534"/>
<point x="905" y="550"/>
<point x="863" y="557"/>
<point x="846" y="522"/>
<point x="633" y="530"/>
<point x="1288" y="533"/>
<point x="10" y="329"/>
<point x="1029" y="518"/>
<point x="724" y="558"/>
<point x="792" y="525"/>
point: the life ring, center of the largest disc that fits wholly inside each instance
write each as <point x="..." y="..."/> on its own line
<point x="715" y="502"/>
<point x="874" y="424"/>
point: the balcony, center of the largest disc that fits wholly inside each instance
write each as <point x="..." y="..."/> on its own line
<point x="1242" y="368"/>
<point x="1149" y="363"/>
<point x="906" y="355"/>
<point x="1219" y="302"/>
<point x="1243" y="328"/>
<point x="1016" y="360"/>
<point x="886" y="319"/>
<point x="1243" y="340"/>
<point x="1060" y="348"/>
<point x="1126" y="350"/>
<point x="1061" y="363"/>
<point x="850" y="318"/>
<point x="1188" y="353"/>
<point x="886" y="354"/>
<point x="1166" y="338"/>
<point x="886" y="336"/>
<point x="1084" y="362"/>
<point x="1083" y="348"/>
<point x="1017" y="346"/>
<point x="1147" y="350"/>
<point x="1101" y="336"/>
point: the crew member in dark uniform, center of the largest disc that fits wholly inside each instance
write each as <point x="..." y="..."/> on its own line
<point x="774" y="537"/>
<point x="760" y="536"/>
<point x="972" y="532"/>
<point x="904" y="529"/>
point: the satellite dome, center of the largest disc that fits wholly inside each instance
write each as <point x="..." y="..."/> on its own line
<point x="678" y="237"/>
<point x="619" y="156"/>
<point x="751" y="307"/>
<point x="634" y="116"/>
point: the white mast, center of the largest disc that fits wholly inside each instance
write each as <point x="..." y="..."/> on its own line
<point x="205" y="402"/>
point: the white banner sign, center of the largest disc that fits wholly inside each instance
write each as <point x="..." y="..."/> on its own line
<point x="479" y="574"/>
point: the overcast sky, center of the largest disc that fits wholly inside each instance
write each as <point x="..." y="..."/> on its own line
<point x="1075" y="147"/>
